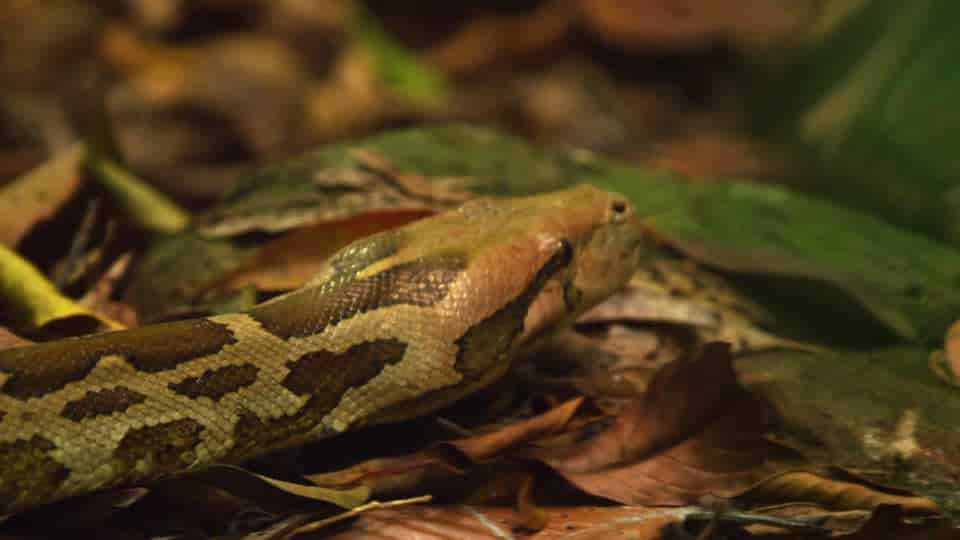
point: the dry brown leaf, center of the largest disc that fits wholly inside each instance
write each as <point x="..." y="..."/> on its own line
<point x="684" y="24"/>
<point x="945" y="364"/>
<point x="836" y="494"/>
<point x="535" y="518"/>
<point x="492" y="522"/>
<point x="99" y="297"/>
<point x="613" y="362"/>
<point x="9" y="340"/>
<point x="386" y="476"/>
<point x="351" y="100"/>
<point x="886" y="522"/>
<point x="486" y="446"/>
<point x="274" y="493"/>
<point x="39" y="194"/>
<point x="252" y="82"/>
<point x="697" y="432"/>
<point x="684" y="294"/>
<point x="486" y="40"/>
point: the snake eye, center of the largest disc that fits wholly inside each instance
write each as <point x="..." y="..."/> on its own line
<point x="565" y="253"/>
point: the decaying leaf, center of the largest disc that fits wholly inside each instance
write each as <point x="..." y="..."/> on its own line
<point x="880" y="413"/>
<point x="684" y="24"/>
<point x="886" y="521"/>
<point x="471" y="522"/>
<point x="99" y="297"/>
<point x="486" y="40"/>
<point x="638" y="523"/>
<point x="841" y="492"/>
<point x="9" y="340"/>
<point x="485" y="446"/>
<point x="695" y="431"/>
<point x="386" y="476"/>
<point x="40" y="193"/>
<point x="271" y="492"/>
<point x="222" y="77"/>
<point x="370" y="506"/>
<point x="682" y="293"/>
<point x="945" y="364"/>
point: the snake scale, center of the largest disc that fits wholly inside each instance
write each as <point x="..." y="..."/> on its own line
<point x="394" y="326"/>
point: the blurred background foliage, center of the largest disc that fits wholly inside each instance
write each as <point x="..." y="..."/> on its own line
<point x="849" y="100"/>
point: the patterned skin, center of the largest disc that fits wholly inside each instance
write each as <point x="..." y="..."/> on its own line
<point x="395" y="325"/>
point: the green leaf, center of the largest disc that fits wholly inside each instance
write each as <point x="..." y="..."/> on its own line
<point x="872" y="103"/>
<point x="30" y="301"/>
<point x="143" y="204"/>
<point x="867" y="409"/>
<point x="398" y="67"/>
<point x="907" y="282"/>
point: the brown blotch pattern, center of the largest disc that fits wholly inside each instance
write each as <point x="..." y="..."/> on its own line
<point x="486" y="343"/>
<point x="106" y="401"/>
<point x="43" y="368"/>
<point x="422" y="282"/>
<point x="325" y="376"/>
<point x="328" y="375"/>
<point x="163" y="446"/>
<point x="217" y="383"/>
<point x="27" y="473"/>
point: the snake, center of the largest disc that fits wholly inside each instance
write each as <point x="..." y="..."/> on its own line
<point x="394" y="326"/>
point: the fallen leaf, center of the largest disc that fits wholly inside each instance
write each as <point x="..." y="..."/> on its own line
<point x="486" y="446"/>
<point x="486" y="522"/>
<point x="880" y="413"/>
<point x="358" y="183"/>
<point x="882" y="523"/>
<point x="33" y="304"/>
<point x="945" y="364"/>
<point x="255" y="83"/>
<point x="386" y="476"/>
<point x="694" y="431"/>
<point x="697" y="432"/>
<point x="271" y="492"/>
<point x="889" y="521"/>
<point x="691" y="24"/>
<point x="682" y="293"/>
<point x="489" y="39"/>
<point x="563" y="523"/>
<point x="836" y="494"/>
<point x="141" y="203"/>
<point x="9" y="340"/>
<point x="40" y="193"/>
<point x="99" y="297"/>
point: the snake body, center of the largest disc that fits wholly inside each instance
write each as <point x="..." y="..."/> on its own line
<point x="394" y="326"/>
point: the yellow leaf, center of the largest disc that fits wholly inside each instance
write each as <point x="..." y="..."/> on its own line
<point x="30" y="300"/>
